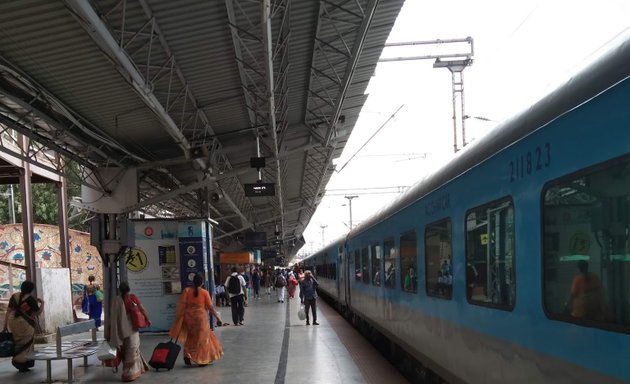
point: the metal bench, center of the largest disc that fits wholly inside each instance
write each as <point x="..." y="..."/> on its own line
<point x="68" y="349"/>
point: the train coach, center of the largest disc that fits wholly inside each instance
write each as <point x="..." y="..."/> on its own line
<point x="511" y="264"/>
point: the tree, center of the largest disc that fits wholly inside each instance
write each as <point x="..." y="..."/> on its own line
<point x="45" y="206"/>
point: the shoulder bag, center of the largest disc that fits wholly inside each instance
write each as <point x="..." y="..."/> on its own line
<point x="135" y="314"/>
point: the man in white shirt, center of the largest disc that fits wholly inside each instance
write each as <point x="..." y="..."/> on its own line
<point x="237" y="296"/>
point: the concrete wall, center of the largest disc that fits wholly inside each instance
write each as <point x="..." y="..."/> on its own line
<point x="53" y="286"/>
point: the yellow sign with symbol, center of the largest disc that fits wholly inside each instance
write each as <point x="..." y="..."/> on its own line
<point x="580" y="243"/>
<point x="136" y="260"/>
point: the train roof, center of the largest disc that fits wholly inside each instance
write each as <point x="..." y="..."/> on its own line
<point x="608" y="66"/>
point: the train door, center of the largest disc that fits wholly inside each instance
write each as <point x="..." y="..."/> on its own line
<point x="499" y="254"/>
<point x="338" y="265"/>
<point x="346" y="275"/>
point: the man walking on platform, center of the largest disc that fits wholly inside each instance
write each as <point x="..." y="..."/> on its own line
<point x="308" y="294"/>
<point x="235" y="284"/>
<point x="281" y="282"/>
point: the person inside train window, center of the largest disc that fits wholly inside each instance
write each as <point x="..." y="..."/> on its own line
<point x="587" y="295"/>
<point x="411" y="280"/>
<point x="377" y="278"/>
<point x="390" y="276"/>
<point x="377" y="259"/>
<point x="390" y="263"/>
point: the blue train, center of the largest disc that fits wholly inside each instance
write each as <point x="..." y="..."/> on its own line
<point x="511" y="264"/>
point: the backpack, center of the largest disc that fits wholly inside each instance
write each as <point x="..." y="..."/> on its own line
<point x="234" y="285"/>
<point x="280" y="281"/>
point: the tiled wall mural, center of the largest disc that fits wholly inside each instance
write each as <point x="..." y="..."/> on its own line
<point x="85" y="258"/>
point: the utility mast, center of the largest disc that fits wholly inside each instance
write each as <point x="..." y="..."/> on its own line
<point x="456" y="62"/>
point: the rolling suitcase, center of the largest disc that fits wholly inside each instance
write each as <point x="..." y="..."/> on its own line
<point x="164" y="355"/>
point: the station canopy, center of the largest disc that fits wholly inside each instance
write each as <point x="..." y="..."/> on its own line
<point x="232" y="110"/>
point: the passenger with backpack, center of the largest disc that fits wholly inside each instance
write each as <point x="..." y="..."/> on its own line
<point x="235" y="284"/>
<point x="308" y="295"/>
<point x="281" y="282"/>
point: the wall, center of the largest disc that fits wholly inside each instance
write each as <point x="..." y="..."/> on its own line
<point x="84" y="258"/>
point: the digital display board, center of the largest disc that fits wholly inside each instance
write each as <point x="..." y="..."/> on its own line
<point x="260" y="189"/>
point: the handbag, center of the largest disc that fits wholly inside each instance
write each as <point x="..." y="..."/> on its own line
<point x="7" y="345"/>
<point x="115" y="361"/>
<point x="301" y="313"/>
<point x="137" y="317"/>
<point x="105" y="352"/>
<point x="99" y="295"/>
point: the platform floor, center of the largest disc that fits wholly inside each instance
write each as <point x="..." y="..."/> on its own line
<point x="273" y="346"/>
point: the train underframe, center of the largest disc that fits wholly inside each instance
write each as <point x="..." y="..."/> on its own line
<point x="411" y="368"/>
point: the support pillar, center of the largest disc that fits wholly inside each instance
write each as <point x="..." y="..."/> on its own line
<point x="27" y="211"/>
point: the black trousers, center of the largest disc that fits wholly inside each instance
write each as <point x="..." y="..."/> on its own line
<point x="311" y="303"/>
<point x="237" y="307"/>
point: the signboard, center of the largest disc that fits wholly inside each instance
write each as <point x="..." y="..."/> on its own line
<point x="153" y="271"/>
<point x="260" y="189"/>
<point x="164" y="257"/>
<point x="192" y="249"/>
<point x="235" y="257"/>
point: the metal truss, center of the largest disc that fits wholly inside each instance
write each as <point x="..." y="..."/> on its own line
<point x="341" y="34"/>
<point x="129" y="34"/>
<point x="30" y="111"/>
<point x="262" y="60"/>
<point x="34" y="124"/>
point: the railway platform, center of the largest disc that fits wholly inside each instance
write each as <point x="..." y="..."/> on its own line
<point x="273" y="346"/>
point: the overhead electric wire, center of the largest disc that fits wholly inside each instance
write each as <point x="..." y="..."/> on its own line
<point x="371" y="137"/>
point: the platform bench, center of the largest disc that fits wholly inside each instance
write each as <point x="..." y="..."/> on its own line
<point x="68" y="350"/>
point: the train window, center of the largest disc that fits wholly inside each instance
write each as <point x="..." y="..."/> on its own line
<point x="490" y="255"/>
<point x="357" y="265"/>
<point x="390" y="262"/>
<point x="365" y="265"/>
<point x="439" y="259"/>
<point x="409" y="261"/>
<point x="377" y="263"/>
<point x="586" y="252"/>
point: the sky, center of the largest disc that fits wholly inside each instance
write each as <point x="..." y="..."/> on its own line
<point x="522" y="51"/>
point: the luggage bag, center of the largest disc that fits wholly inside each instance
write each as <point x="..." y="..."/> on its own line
<point x="164" y="355"/>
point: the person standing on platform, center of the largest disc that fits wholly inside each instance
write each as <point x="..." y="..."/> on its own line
<point x="267" y="281"/>
<point x="221" y="297"/>
<point x="93" y="301"/>
<point x="192" y="327"/>
<point x="120" y="333"/>
<point x="292" y="284"/>
<point x="20" y="320"/>
<point x="256" y="282"/>
<point x="280" y="283"/>
<point x="235" y="284"/>
<point x="308" y="295"/>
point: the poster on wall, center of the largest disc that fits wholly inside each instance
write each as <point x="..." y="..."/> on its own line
<point x="153" y="269"/>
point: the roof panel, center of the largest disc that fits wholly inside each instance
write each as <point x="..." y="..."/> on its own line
<point x="80" y="77"/>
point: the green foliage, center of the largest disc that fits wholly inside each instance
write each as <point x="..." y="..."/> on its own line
<point x="45" y="204"/>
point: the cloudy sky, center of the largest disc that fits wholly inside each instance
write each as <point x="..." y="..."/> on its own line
<point x="522" y="51"/>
